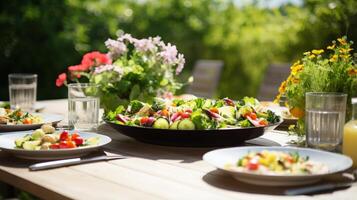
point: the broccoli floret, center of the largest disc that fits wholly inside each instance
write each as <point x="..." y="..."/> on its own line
<point x="272" y="117"/>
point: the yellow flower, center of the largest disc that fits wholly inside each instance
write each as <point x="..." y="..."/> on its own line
<point x="295" y="69"/>
<point x="342" y="50"/>
<point x="332" y="46"/>
<point x="334" y="58"/>
<point x="277" y="99"/>
<point x="312" y="56"/>
<point x="307" y="53"/>
<point x="295" y="80"/>
<point x="352" y="72"/>
<point x="342" y="41"/>
<point x="317" y="52"/>
<point x="282" y="87"/>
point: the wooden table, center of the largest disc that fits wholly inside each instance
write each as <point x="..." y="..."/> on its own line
<point x="149" y="172"/>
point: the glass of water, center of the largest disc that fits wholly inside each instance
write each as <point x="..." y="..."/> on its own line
<point x="22" y="91"/>
<point x="325" y="118"/>
<point x="83" y="106"/>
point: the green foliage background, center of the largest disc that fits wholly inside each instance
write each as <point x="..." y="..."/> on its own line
<point x="46" y="36"/>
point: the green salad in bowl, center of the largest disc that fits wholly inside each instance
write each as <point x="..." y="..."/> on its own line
<point x="194" y="114"/>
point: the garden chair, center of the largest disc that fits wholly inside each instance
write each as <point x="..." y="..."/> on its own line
<point x="274" y="75"/>
<point x="206" y="75"/>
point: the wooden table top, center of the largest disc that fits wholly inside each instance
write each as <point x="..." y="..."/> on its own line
<point x="148" y="172"/>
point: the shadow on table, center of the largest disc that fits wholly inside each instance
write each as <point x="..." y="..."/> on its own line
<point x="225" y="181"/>
<point x="9" y="160"/>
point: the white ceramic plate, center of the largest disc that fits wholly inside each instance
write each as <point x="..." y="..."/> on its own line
<point x="47" y="119"/>
<point x="221" y="157"/>
<point x="7" y="144"/>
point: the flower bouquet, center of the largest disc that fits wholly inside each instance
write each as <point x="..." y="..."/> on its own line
<point x="319" y="71"/>
<point x="132" y="69"/>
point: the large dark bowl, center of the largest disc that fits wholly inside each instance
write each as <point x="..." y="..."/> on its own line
<point x="191" y="138"/>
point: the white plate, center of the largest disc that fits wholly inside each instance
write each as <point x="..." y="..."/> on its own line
<point x="47" y="119"/>
<point x="7" y="144"/>
<point x="335" y="162"/>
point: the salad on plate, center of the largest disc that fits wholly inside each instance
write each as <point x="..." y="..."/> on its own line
<point x="47" y="138"/>
<point x="18" y="117"/>
<point x="194" y="114"/>
<point x="277" y="163"/>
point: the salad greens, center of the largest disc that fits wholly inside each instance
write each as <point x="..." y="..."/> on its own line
<point x="194" y="114"/>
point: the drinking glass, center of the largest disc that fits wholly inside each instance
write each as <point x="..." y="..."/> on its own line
<point x="83" y="106"/>
<point x="22" y="91"/>
<point x="325" y="118"/>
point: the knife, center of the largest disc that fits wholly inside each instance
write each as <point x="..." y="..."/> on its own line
<point x="323" y="187"/>
<point x="72" y="161"/>
<point x="317" y="188"/>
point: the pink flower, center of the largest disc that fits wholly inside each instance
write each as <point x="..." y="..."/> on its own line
<point x="61" y="79"/>
<point x="180" y="63"/>
<point x="94" y="59"/>
<point x="169" y="54"/>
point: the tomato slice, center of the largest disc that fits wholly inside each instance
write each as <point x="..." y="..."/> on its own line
<point x="253" y="164"/>
<point x="185" y="115"/>
<point x="78" y="140"/>
<point x="252" y="115"/>
<point x="144" y="120"/>
<point x="54" y="146"/>
<point x="74" y="136"/>
<point x="263" y="122"/>
<point x="215" y="110"/>
<point x="27" y="121"/>
<point x="63" y="144"/>
<point x="64" y="136"/>
<point x="71" y="144"/>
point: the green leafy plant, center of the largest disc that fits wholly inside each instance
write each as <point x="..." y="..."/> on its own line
<point x="133" y="69"/>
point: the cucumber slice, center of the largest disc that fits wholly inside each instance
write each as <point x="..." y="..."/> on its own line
<point x="186" y="124"/>
<point x="20" y="141"/>
<point x="161" y="123"/>
<point x="174" y="125"/>
<point x="31" y="145"/>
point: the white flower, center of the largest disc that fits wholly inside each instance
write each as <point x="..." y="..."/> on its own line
<point x="105" y="68"/>
<point x="144" y="45"/>
<point x="126" y="37"/>
<point x="116" y="48"/>
<point x="180" y="63"/>
<point x="168" y="54"/>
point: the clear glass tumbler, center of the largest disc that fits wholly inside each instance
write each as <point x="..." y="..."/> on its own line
<point x="23" y="91"/>
<point x="325" y="119"/>
<point x="83" y="106"/>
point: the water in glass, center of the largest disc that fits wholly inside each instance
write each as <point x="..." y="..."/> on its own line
<point x="324" y="129"/>
<point x="83" y="112"/>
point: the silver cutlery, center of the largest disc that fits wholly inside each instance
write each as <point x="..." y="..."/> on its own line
<point x="321" y="187"/>
<point x="72" y="161"/>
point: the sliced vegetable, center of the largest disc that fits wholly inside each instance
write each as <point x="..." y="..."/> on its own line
<point x="186" y="124"/>
<point x="161" y="123"/>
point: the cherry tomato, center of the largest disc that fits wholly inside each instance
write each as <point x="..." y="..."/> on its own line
<point x="263" y="122"/>
<point x="252" y="115"/>
<point x="144" y="120"/>
<point x="27" y="121"/>
<point x="71" y="144"/>
<point x="64" y="136"/>
<point x="63" y="145"/>
<point x="185" y="115"/>
<point x="54" y="146"/>
<point x="253" y="164"/>
<point x="74" y="136"/>
<point x="78" y="140"/>
<point x="215" y="110"/>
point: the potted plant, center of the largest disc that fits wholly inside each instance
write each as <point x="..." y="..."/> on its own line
<point x="324" y="70"/>
<point x="132" y="69"/>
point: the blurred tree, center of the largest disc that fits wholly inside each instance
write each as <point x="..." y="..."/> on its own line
<point x="44" y="36"/>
